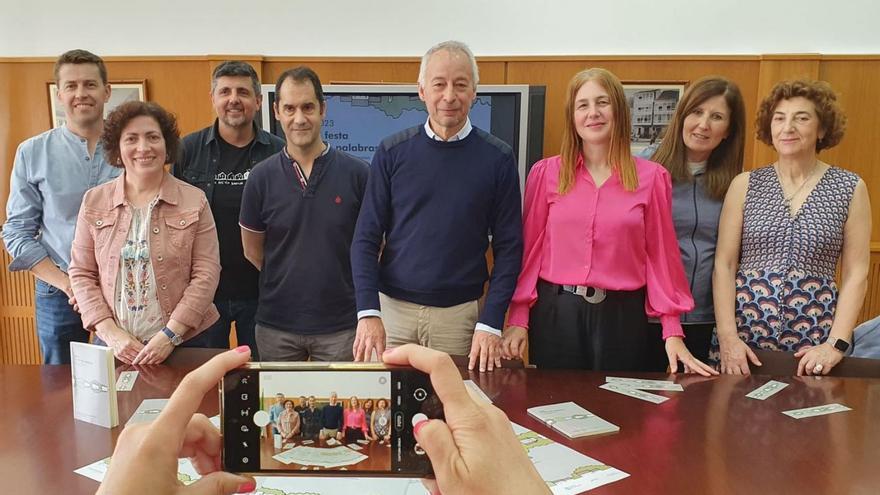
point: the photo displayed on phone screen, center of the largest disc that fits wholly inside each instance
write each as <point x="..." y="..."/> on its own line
<point x="356" y="421"/>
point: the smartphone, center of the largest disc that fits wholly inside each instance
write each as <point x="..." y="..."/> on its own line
<point x="309" y="419"/>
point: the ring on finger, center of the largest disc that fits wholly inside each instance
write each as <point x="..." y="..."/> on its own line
<point x="818" y="368"/>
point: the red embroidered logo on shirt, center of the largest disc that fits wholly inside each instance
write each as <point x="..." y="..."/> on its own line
<point x="338" y="200"/>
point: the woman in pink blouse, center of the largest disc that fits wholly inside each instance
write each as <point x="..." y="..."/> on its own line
<point x="144" y="262"/>
<point x="600" y="251"/>
<point x="354" y="421"/>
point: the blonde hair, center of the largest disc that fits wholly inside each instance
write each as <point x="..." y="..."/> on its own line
<point x="619" y="155"/>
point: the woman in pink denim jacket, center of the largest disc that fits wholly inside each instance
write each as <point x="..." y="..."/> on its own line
<point x="145" y="257"/>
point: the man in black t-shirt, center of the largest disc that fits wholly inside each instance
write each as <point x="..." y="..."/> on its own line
<point x="218" y="159"/>
<point x="310" y="418"/>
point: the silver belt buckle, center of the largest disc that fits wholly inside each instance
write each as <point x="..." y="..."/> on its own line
<point x="597" y="297"/>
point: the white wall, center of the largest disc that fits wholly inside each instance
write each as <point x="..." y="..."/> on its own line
<point x="408" y="27"/>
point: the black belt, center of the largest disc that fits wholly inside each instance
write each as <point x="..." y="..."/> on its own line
<point x="593" y="295"/>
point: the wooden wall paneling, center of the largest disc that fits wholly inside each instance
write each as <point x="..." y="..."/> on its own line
<point x="18" y="338"/>
<point x="554" y="75"/>
<point x="392" y="71"/>
<point x="23" y="89"/>
<point x="397" y="71"/>
<point x="256" y="62"/>
<point x="857" y="82"/>
<point x="772" y="69"/>
<point x="182" y="87"/>
<point x="25" y="112"/>
<point x="6" y="147"/>
<point x="18" y="341"/>
<point x="16" y="290"/>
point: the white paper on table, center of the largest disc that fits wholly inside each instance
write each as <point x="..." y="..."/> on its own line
<point x="565" y="471"/>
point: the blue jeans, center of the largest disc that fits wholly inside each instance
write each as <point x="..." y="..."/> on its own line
<point x="242" y="312"/>
<point x="57" y="324"/>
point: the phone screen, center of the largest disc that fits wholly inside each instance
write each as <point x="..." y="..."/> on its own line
<point x="333" y="420"/>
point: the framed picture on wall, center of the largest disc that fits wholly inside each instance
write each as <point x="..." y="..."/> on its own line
<point x="120" y="92"/>
<point x="651" y="106"/>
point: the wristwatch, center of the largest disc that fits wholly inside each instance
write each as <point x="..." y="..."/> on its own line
<point x="839" y="344"/>
<point x="173" y="337"/>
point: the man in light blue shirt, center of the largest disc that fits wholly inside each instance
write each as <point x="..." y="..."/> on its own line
<point x="50" y="175"/>
<point x="275" y="411"/>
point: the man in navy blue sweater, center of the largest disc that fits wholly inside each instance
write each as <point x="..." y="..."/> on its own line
<point x="436" y="193"/>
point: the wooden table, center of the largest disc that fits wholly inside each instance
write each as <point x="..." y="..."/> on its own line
<point x="708" y="439"/>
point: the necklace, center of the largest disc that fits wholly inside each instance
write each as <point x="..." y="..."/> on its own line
<point x="791" y="196"/>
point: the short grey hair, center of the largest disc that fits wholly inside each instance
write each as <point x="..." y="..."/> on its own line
<point x="450" y="46"/>
<point x="235" y="68"/>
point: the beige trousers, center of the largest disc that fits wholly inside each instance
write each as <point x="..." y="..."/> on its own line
<point x="449" y="330"/>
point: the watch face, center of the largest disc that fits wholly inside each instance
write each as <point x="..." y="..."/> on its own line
<point x="841" y="345"/>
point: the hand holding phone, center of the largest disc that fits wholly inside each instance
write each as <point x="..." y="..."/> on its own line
<point x="145" y="458"/>
<point x="474" y="451"/>
<point x="336" y="434"/>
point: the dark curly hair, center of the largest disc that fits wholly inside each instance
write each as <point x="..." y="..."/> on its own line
<point x="123" y="114"/>
<point x="832" y="120"/>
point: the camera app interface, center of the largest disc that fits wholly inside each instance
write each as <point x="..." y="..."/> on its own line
<point x="326" y="420"/>
<point x="296" y="421"/>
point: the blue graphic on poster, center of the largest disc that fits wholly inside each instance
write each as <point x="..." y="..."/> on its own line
<point x="357" y="124"/>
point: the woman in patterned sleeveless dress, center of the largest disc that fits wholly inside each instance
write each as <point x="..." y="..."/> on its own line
<point x="783" y="230"/>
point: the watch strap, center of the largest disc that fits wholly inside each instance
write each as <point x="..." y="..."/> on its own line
<point x="173" y="337"/>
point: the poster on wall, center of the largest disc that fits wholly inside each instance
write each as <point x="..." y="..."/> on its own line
<point x="120" y="92"/>
<point x="651" y="107"/>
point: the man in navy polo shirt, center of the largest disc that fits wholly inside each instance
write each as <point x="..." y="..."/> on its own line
<point x="298" y="214"/>
<point x="435" y="194"/>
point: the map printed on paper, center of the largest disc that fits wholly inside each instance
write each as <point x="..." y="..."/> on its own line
<point x="565" y="471"/>
<point x="323" y="457"/>
<point x="186" y="473"/>
<point x="271" y="485"/>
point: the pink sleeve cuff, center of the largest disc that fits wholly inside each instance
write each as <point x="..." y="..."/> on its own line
<point x="518" y="315"/>
<point x="93" y="316"/>
<point x="188" y="316"/>
<point x="671" y="326"/>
